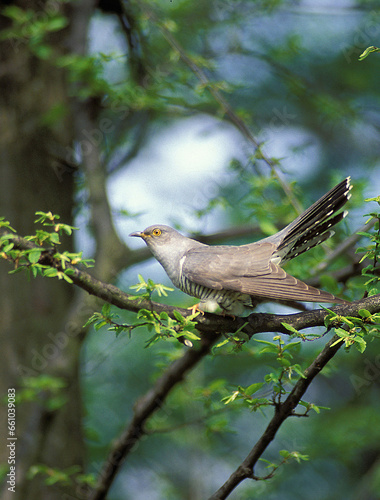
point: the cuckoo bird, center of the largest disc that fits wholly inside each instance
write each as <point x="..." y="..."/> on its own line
<point x="235" y="276"/>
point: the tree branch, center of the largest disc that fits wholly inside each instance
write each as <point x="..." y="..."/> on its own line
<point x="208" y="323"/>
<point x="211" y="326"/>
<point x="154" y="398"/>
<point x="144" y="409"/>
<point x="282" y="412"/>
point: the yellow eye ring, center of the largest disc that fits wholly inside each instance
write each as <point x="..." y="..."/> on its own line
<point x="156" y="232"/>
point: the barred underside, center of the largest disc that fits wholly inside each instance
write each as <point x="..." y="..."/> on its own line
<point x="225" y="298"/>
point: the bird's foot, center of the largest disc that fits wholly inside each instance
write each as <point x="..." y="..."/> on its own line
<point x="228" y="315"/>
<point x="194" y="309"/>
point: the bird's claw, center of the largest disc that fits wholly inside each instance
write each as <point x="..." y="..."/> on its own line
<point x="194" y="309"/>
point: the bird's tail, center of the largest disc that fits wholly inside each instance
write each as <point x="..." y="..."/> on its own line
<point x="313" y="226"/>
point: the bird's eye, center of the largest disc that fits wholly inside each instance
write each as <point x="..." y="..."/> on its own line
<point x="156" y="232"/>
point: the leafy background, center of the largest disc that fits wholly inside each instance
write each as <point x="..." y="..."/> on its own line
<point x="290" y="72"/>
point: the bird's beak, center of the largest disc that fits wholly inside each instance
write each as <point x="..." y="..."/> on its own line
<point x="138" y="234"/>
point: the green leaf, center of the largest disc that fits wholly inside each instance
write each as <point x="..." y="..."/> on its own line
<point x="54" y="238"/>
<point x="360" y="344"/>
<point x="365" y="233"/>
<point x="91" y="320"/>
<point x="367" y="52"/>
<point x="298" y="456"/>
<point x="272" y="344"/>
<point x="100" y="325"/>
<point x="298" y="370"/>
<point x="6" y="224"/>
<point x="312" y="406"/>
<point x="337" y="342"/>
<point x="17" y="270"/>
<point x="292" y="345"/>
<point x="34" y="255"/>
<point x="342" y="333"/>
<point x="178" y="316"/>
<point x="146" y="314"/>
<point x="377" y="198"/>
<point x="56" y="23"/>
<point x="284" y="362"/>
<point x="231" y="398"/>
<point x="106" y="309"/>
<point x="269" y="464"/>
<point x="345" y="320"/>
<point x="46" y="216"/>
<point x="50" y="272"/>
<point x="364" y="313"/>
<point x="66" y="278"/>
<point x="221" y="344"/>
<point x="374" y="290"/>
<point x="152" y="340"/>
<point x="251" y="389"/>
<point x="190" y="335"/>
<point x="8" y="248"/>
<point x="290" y="328"/>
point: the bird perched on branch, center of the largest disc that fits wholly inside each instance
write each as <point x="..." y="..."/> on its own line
<point x="234" y="276"/>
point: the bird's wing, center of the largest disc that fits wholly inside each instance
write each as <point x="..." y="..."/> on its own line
<point x="250" y="271"/>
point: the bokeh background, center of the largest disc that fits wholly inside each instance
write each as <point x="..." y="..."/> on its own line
<point x="118" y="115"/>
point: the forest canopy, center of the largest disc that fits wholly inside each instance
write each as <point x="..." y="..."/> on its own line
<point x="224" y="120"/>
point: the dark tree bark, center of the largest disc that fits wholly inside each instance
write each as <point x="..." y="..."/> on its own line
<point x="35" y="335"/>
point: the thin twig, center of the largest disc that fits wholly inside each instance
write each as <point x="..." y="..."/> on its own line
<point x="144" y="409"/>
<point x="224" y="105"/>
<point x="210" y="326"/>
<point x="347" y="244"/>
<point x="283" y="411"/>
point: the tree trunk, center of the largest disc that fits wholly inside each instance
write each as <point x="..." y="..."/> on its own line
<point x="35" y="336"/>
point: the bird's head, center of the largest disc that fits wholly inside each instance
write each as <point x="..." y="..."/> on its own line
<point x="165" y="243"/>
<point x="157" y="235"/>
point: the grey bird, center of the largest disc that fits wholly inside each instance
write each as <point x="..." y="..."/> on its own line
<point x="235" y="276"/>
